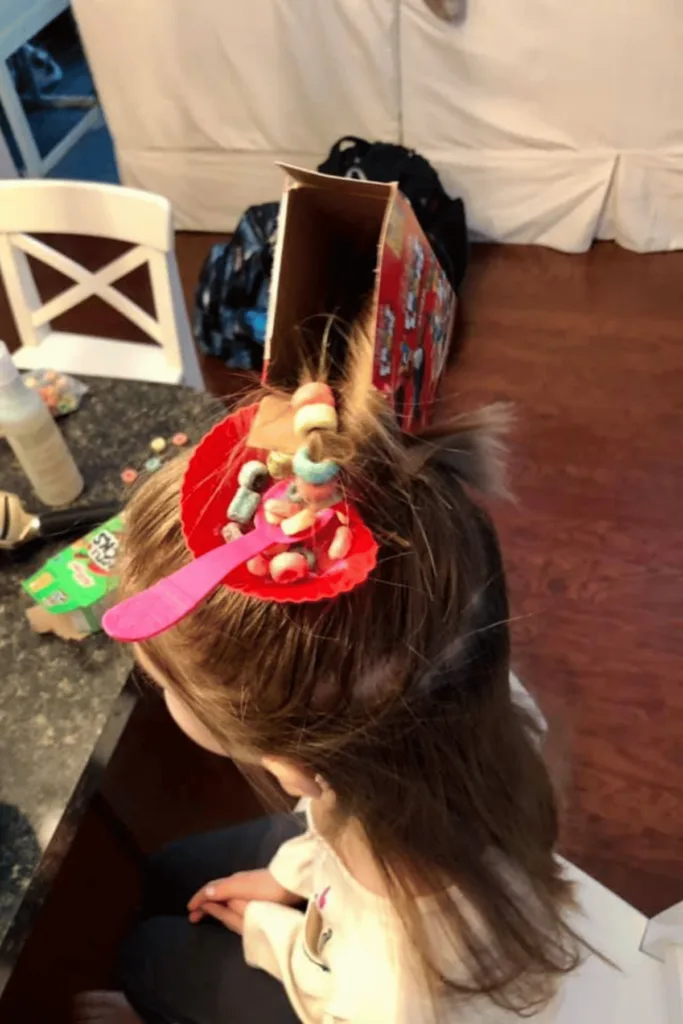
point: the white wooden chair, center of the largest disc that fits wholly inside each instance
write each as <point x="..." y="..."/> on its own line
<point x="645" y="983"/>
<point x="141" y="219"/>
<point x="20" y="20"/>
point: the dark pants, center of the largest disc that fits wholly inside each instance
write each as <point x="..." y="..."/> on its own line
<point x="174" y="972"/>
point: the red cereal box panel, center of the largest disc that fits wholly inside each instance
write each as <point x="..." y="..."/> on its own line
<point x="415" y="310"/>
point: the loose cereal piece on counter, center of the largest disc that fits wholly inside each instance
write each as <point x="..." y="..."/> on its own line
<point x="179" y="440"/>
<point x="158" y="445"/>
<point x="315" y="392"/>
<point x="258" y="566"/>
<point x="153" y="464"/>
<point x="279" y="465"/>
<point x="341" y="543"/>
<point x="129" y="475"/>
<point x="243" y="506"/>
<point x="230" y="531"/>
<point x="254" y="476"/>
<point x="288" y="567"/>
<point x="303" y="520"/>
<point x="315" y="417"/>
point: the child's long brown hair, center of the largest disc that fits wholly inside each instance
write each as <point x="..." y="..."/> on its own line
<point x="398" y="695"/>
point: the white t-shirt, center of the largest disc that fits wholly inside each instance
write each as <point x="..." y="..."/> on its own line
<point x="341" y="959"/>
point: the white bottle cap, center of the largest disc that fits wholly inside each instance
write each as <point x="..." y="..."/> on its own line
<point x="8" y="371"/>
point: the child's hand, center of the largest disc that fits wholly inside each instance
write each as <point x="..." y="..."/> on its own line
<point x="226" y="899"/>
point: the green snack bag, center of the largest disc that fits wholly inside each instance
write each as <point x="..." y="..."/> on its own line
<point x="72" y="588"/>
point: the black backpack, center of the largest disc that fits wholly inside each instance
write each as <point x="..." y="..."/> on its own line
<point x="441" y="218"/>
<point x="231" y="300"/>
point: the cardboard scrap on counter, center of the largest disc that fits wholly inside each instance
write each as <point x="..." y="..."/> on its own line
<point x="71" y="590"/>
<point x="354" y="250"/>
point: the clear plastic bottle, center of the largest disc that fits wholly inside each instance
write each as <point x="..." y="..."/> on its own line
<point x="35" y="438"/>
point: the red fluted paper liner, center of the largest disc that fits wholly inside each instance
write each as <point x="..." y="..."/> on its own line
<point x="208" y="487"/>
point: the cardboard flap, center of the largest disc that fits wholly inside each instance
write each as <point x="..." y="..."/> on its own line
<point x="351" y="186"/>
<point x="272" y="428"/>
<point x="325" y="266"/>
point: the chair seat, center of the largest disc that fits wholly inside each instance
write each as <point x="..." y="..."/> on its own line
<point x="83" y="355"/>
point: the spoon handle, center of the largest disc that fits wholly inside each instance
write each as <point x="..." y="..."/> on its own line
<point x="153" y="610"/>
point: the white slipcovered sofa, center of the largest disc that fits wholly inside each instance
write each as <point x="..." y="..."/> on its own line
<point x="557" y="122"/>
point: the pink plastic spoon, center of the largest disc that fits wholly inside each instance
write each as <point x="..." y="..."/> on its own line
<point x="153" y="610"/>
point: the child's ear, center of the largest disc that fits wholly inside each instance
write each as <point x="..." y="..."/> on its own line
<point x="294" y="779"/>
<point x="310" y="786"/>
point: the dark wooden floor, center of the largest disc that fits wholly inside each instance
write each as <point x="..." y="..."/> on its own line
<point x="590" y="349"/>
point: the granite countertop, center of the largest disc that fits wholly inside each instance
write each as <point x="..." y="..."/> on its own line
<point x="62" y="703"/>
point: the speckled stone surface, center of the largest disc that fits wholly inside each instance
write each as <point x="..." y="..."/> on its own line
<point x="61" y="703"/>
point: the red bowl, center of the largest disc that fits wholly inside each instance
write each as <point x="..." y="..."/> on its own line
<point x="208" y="487"/>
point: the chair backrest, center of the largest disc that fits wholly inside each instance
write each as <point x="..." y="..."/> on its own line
<point x="87" y="208"/>
<point x="141" y="219"/>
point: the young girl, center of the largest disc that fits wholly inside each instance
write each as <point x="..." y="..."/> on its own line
<point x="421" y="883"/>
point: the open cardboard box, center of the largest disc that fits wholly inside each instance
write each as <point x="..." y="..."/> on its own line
<point x="72" y="590"/>
<point x="355" y="250"/>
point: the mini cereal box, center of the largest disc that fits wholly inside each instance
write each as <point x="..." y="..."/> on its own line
<point x="74" y="585"/>
<point x="354" y="249"/>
